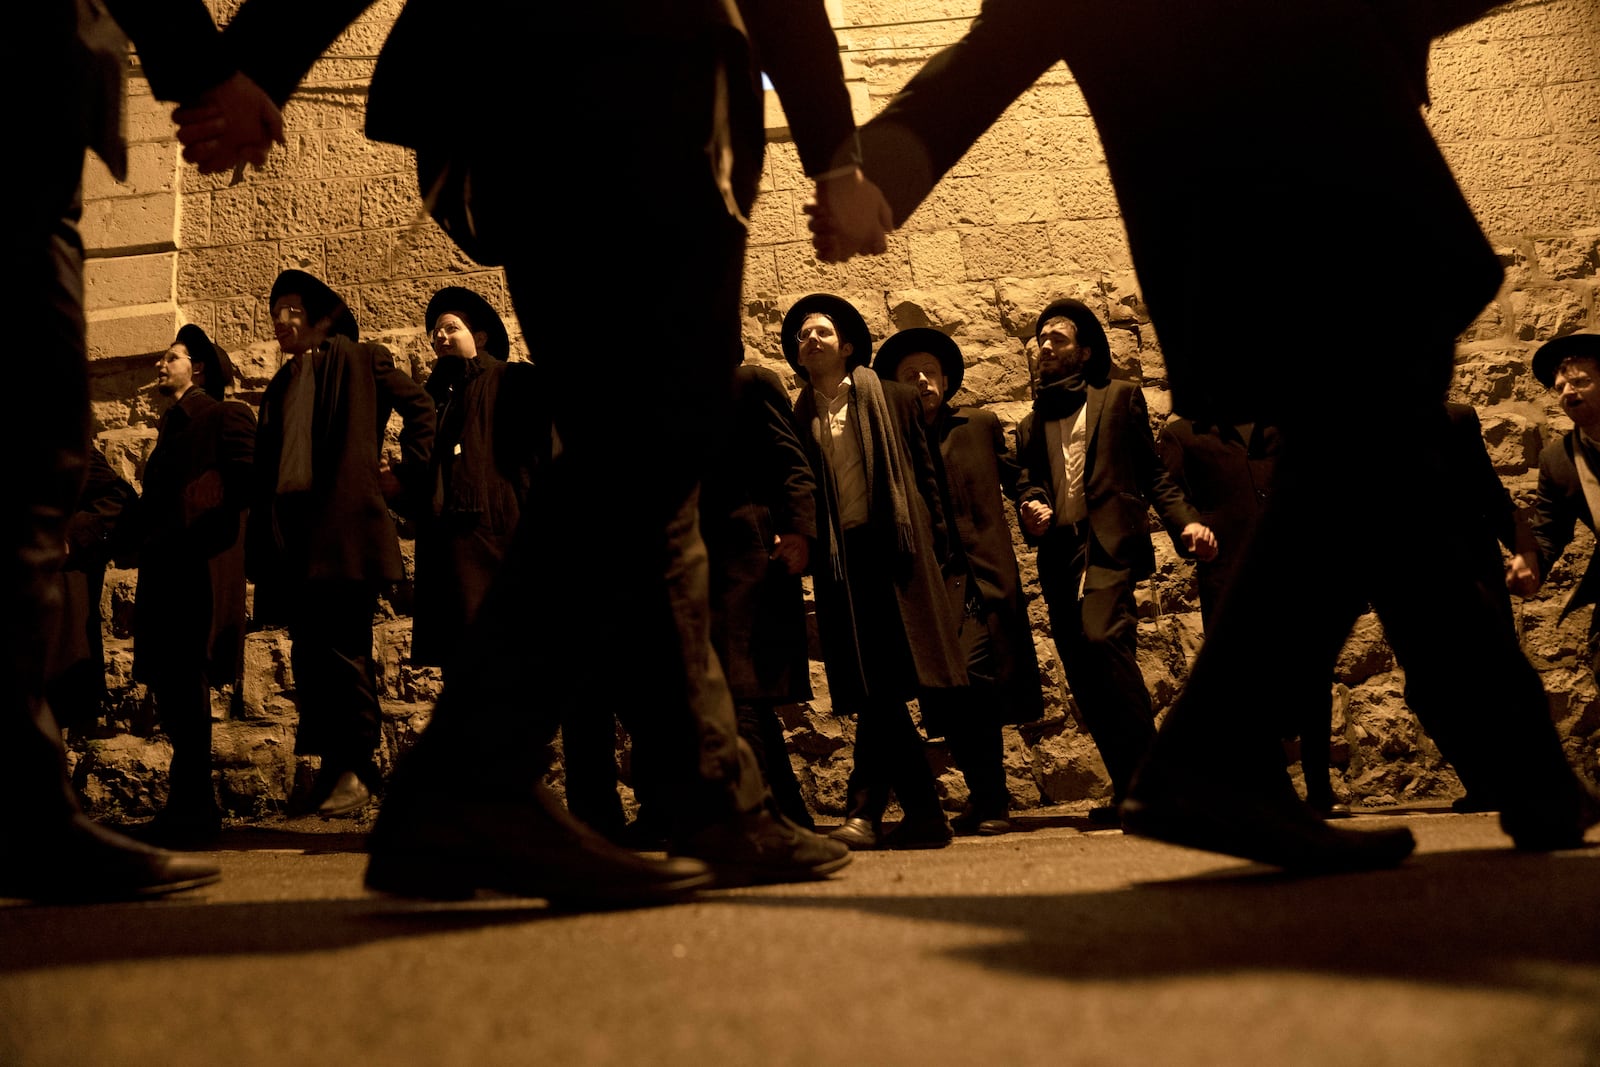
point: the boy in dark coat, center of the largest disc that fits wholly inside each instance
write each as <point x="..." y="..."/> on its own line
<point x="986" y="587"/>
<point x="322" y="540"/>
<point x="189" y="617"/>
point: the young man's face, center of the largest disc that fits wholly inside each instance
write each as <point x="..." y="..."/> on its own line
<point x="924" y="373"/>
<point x="292" y="325"/>
<point x="175" y="371"/>
<point x="451" y="338"/>
<point x="822" y="354"/>
<point x="1059" y="352"/>
<point x="1578" y="385"/>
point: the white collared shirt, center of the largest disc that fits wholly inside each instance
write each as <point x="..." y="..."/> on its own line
<point x="842" y="450"/>
<point x="1068" y="444"/>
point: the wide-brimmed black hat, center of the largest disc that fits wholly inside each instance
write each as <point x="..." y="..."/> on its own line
<point x="1091" y="334"/>
<point x="219" y="372"/>
<point x="846" y="319"/>
<point x="321" y="301"/>
<point x="936" y="343"/>
<point x="1550" y="355"/>
<point x="478" y="313"/>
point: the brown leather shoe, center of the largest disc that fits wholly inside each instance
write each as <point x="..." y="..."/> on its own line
<point x="924" y="832"/>
<point x="859" y="834"/>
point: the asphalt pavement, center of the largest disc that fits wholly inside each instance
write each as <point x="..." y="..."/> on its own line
<point x="1060" y="944"/>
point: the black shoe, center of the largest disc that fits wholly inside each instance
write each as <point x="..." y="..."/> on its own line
<point x="643" y="835"/>
<point x="931" y="831"/>
<point x="762" y="847"/>
<point x="969" y="823"/>
<point x="1105" y="814"/>
<point x="1470" y="804"/>
<point x="348" y="796"/>
<point x="448" y="847"/>
<point x="181" y="828"/>
<point x="1328" y="808"/>
<point x="860" y="835"/>
<point x="85" y="863"/>
<point x="1271" y="826"/>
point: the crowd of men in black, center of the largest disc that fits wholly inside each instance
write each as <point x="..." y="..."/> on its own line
<point x="1239" y="137"/>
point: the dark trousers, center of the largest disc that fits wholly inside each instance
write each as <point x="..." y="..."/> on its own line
<point x="604" y="595"/>
<point x="973" y="730"/>
<point x="1468" y="681"/>
<point x="183" y="701"/>
<point x="1097" y="637"/>
<point x="335" y="684"/>
<point x="46" y="469"/>
<point x="889" y="751"/>
<point x="760" y="728"/>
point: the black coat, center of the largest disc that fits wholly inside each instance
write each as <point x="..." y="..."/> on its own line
<point x="341" y="529"/>
<point x="1228" y="480"/>
<point x="494" y="434"/>
<point x="189" y="610"/>
<point x="75" y="661"/>
<point x="760" y="485"/>
<point x="977" y="468"/>
<point x="918" y="577"/>
<point x="1123" y="479"/>
<point x="1560" y="507"/>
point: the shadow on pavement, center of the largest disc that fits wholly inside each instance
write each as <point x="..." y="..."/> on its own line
<point x="1492" y="918"/>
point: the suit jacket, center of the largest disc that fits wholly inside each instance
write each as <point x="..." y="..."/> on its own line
<point x="760" y="485"/>
<point x="976" y="468"/>
<point x="341" y="529"/>
<point x="918" y="577"/>
<point x="1122" y="479"/>
<point x="1237" y="133"/>
<point x="189" y="610"/>
<point x="1228" y="480"/>
<point x="1560" y="506"/>
<point x="493" y="438"/>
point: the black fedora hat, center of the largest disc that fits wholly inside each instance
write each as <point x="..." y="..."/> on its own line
<point x="1091" y="334"/>
<point x="320" y="300"/>
<point x="936" y="343"/>
<point x="1550" y="355"/>
<point x="218" y="367"/>
<point x="479" y="315"/>
<point x="846" y="319"/>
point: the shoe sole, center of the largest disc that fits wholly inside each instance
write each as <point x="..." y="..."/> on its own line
<point x="1278" y="842"/>
<point x="732" y="876"/>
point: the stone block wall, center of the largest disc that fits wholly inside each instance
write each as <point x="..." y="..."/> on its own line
<point x="1027" y="216"/>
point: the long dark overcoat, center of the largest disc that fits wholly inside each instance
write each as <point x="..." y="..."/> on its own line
<point x="493" y="435"/>
<point x="761" y="485"/>
<point x="75" y="661"/>
<point x="341" y="529"/>
<point x="918" y="577"/>
<point x="189" y="609"/>
<point x="978" y="468"/>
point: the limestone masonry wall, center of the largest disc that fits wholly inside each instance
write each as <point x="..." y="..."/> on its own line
<point x="1027" y="216"/>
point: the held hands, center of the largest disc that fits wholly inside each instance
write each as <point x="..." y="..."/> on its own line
<point x="793" y="551"/>
<point x="389" y="483"/>
<point x="849" y="216"/>
<point x="1200" y="542"/>
<point x="1522" y="575"/>
<point x="1036" y="517"/>
<point x="231" y="124"/>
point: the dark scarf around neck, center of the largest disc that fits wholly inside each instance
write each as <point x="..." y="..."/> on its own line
<point x="1061" y="398"/>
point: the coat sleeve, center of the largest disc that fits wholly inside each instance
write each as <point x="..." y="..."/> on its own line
<point x="399" y="393"/>
<point x="1032" y="482"/>
<point x="236" y="451"/>
<point x="924" y="468"/>
<point x="1155" y="482"/>
<point x="96" y="527"/>
<point x="793" y="499"/>
<point x="798" y="51"/>
<point x="1006" y="463"/>
<point x="275" y="42"/>
<point x="1555" y="511"/>
<point x="956" y="96"/>
<point x="179" y="46"/>
<point x="1488" y="492"/>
